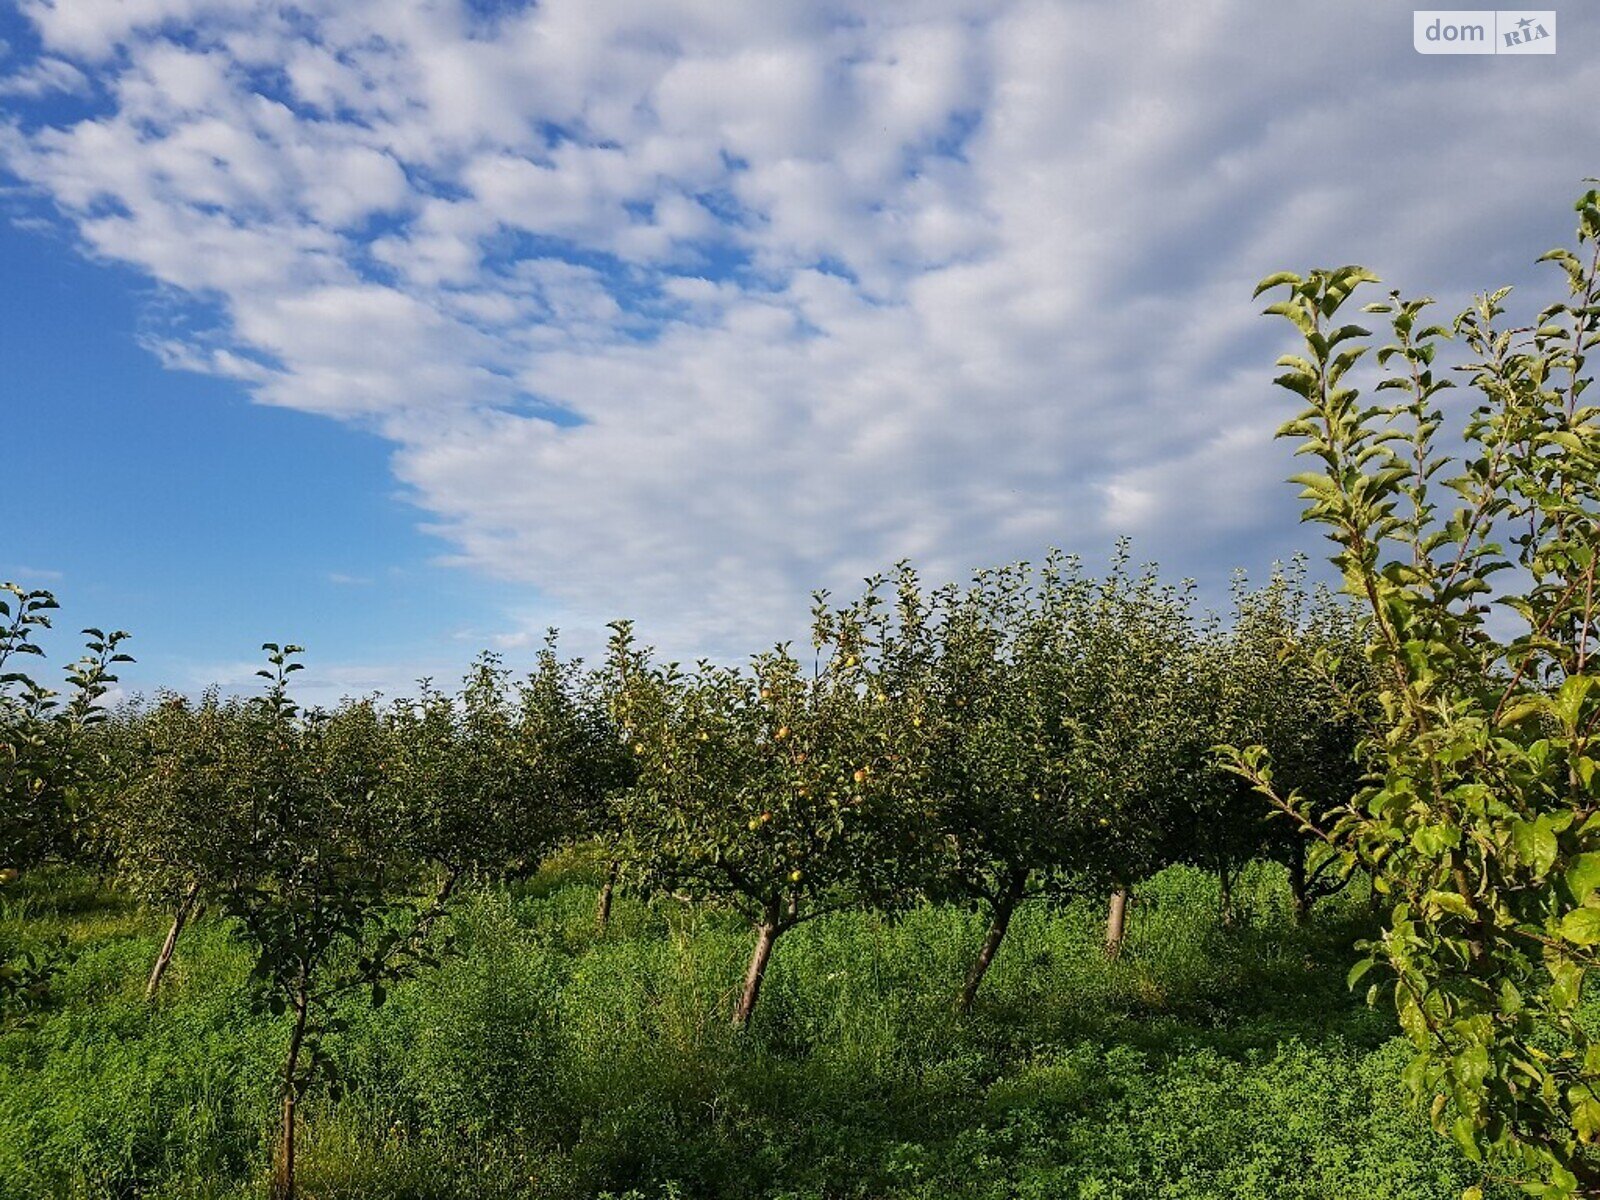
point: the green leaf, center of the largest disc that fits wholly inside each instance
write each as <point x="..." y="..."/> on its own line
<point x="1581" y="926"/>
<point x="1277" y="279"/>
<point x="1566" y="981"/>
<point x="1583" y="876"/>
<point x="1521" y="709"/>
<point x="1451" y="902"/>
<point x="1465" y="1136"/>
<point x="1356" y="972"/>
<point x="1535" y="844"/>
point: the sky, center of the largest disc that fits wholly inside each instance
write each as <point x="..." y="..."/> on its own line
<point x="404" y="329"/>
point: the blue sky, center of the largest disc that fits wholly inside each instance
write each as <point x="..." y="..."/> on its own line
<point x="168" y="504"/>
<point x="405" y="329"/>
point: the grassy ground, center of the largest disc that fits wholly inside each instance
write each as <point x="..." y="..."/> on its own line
<point x="546" y="1062"/>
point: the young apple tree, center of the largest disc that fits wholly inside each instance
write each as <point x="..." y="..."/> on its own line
<point x="175" y="806"/>
<point x="456" y="771"/>
<point x="1476" y="571"/>
<point x="52" y="769"/>
<point x="315" y="869"/>
<point x="566" y="733"/>
<point x="495" y="777"/>
<point x="1291" y="676"/>
<point x="1136" y="726"/>
<point x="771" y="789"/>
<point x="995" y="679"/>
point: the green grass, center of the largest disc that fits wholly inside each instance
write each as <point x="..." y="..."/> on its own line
<point x="544" y="1061"/>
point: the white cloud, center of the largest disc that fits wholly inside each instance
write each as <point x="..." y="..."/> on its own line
<point x="43" y="77"/>
<point x="319" y="684"/>
<point x="26" y="576"/>
<point x="814" y="287"/>
<point x="94" y="28"/>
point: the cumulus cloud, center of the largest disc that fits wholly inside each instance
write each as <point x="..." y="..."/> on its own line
<point x="43" y="77"/>
<point x="682" y="310"/>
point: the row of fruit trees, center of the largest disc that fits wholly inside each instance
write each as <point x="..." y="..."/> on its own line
<point x="1034" y="735"/>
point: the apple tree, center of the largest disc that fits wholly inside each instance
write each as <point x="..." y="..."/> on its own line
<point x="995" y="685"/>
<point x="773" y="789"/>
<point x="1291" y="676"/>
<point x="315" y="865"/>
<point x="494" y="777"/>
<point x="1476" y="571"/>
<point x="52" y="768"/>
<point x="1137" y="727"/>
<point x="176" y="805"/>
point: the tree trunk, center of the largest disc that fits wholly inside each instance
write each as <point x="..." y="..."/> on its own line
<point x="602" y="909"/>
<point x="283" y="1168"/>
<point x="1225" y="876"/>
<point x="1299" y="902"/>
<point x="766" y="935"/>
<point x="1116" y="922"/>
<point x="283" y="1162"/>
<point x="1000" y="913"/>
<point x="179" y="919"/>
